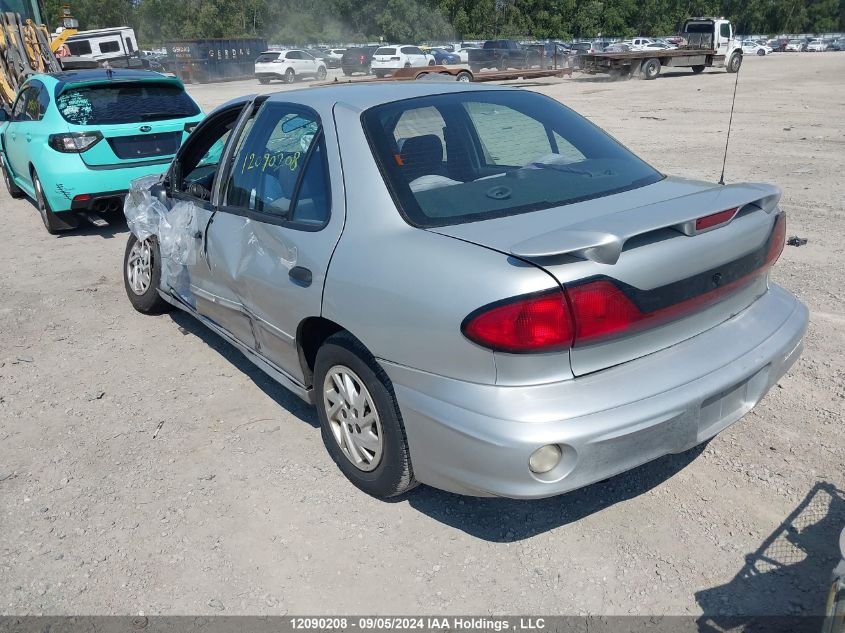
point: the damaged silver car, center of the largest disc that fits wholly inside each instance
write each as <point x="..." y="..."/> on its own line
<point x="477" y="288"/>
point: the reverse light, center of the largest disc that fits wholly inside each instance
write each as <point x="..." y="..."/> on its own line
<point x="74" y="142"/>
<point x="531" y="323"/>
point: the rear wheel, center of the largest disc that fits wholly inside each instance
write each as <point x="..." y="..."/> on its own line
<point x="142" y="275"/>
<point x="379" y="74"/>
<point x="464" y="76"/>
<point x="290" y="76"/>
<point x="651" y="68"/>
<point x="52" y="222"/>
<point x="321" y="73"/>
<point x="734" y="63"/>
<point x="359" y="418"/>
<point x="698" y="69"/>
<point x="431" y="62"/>
<point x="14" y="190"/>
<point x="761" y="52"/>
<point x="264" y="80"/>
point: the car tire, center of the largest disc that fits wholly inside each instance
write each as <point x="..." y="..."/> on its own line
<point x="321" y="73"/>
<point x="431" y="62"/>
<point x="388" y="473"/>
<point x="463" y="76"/>
<point x="761" y="52"/>
<point x="348" y="73"/>
<point x="264" y="80"/>
<point x="52" y="222"/>
<point x="378" y="74"/>
<point x="698" y="69"/>
<point x="13" y="189"/>
<point x="290" y="76"/>
<point x="142" y="275"/>
<point x="734" y="63"/>
<point x="651" y="68"/>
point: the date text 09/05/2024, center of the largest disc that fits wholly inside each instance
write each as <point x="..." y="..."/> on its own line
<point x="419" y="623"/>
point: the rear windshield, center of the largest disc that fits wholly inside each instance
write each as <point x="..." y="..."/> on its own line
<point x="267" y="57"/>
<point x="468" y="156"/>
<point x="117" y="103"/>
<point x="386" y="51"/>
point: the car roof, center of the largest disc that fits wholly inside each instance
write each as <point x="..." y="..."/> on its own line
<point x="364" y="95"/>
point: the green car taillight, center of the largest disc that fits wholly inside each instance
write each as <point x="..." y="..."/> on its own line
<point x="74" y="142"/>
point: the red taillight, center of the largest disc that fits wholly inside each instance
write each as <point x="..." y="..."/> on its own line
<point x="709" y="221"/>
<point x="82" y="197"/>
<point x="537" y="323"/>
<point x="600" y="310"/>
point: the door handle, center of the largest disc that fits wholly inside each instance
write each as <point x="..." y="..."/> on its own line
<point x="301" y="276"/>
<point x="29" y="138"/>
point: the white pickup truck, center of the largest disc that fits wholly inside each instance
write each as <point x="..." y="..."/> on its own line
<point x="710" y="42"/>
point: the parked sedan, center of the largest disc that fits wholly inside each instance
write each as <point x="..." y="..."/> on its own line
<point x="74" y="140"/>
<point x="750" y="47"/>
<point x="477" y="288"/>
<point x="815" y="45"/>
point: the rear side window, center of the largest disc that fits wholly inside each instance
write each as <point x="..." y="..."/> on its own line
<point x="386" y="51"/>
<point x="265" y="58"/>
<point x="463" y="157"/>
<point x="116" y="103"/>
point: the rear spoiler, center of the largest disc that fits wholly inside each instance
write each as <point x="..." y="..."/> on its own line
<point x="593" y="240"/>
<point x="154" y="77"/>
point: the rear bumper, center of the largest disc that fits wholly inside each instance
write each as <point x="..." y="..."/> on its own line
<point x="65" y="179"/>
<point x="104" y="201"/>
<point x="476" y="439"/>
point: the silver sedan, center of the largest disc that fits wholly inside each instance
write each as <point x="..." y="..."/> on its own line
<point x="477" y="288"/>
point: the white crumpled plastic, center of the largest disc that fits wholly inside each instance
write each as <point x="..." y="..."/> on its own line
<point x="176" y="227"/>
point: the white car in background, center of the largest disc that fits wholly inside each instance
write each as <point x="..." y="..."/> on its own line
<point x="333" y="57"/>
<point x="388" y="59"/>
<point x="793" y="46"/>
<point x="639" y="43"/>
<point x="816" y="45"/>
<point x="750" y="47"/>
<point x="288" y="65"/>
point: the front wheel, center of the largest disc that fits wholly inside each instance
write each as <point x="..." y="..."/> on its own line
<point x="761" y="52"/>
<point x="14" y="190"/>
<point x="464" y="76"/>
<point x="290" y="76"/>
<point x="142" y="275"/>
<point x="734" y="63"/>
<point x="359" y="418"/>
<point x="321" y="73"/>
<point x="698" y="69"/>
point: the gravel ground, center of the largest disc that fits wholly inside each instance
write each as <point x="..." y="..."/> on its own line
<point x="146" y="466"/>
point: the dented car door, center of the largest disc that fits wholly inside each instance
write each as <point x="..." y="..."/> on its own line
<point x="281" y="231"/>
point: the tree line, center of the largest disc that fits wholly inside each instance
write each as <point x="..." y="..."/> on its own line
<point x="327" y="21"/>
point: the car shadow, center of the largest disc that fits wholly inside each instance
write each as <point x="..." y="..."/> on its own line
<point x="115" y="225"/>
<point x="509" y="520"/>
<point x="788" y="575"/>
<point x="188" y="325"/>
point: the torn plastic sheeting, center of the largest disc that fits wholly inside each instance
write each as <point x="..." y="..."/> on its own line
<point x="176" y="227"/>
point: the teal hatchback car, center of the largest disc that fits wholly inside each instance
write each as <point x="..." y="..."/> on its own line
<point x="73" y="141"/>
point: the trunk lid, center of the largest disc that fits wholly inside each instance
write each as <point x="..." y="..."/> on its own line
<point x="645" y="241"/>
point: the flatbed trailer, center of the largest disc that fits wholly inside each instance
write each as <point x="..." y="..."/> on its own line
<point x="632" y="63"/>
<point x="458" y="73"/>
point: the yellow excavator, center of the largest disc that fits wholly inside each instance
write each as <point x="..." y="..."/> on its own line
<point x="26" y="47"/>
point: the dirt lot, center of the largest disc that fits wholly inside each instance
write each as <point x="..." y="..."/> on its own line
<point x="235" y="507"/>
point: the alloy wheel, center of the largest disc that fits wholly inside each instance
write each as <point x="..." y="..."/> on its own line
<point x="139" y="267"/>
<point x="353" y="418"/>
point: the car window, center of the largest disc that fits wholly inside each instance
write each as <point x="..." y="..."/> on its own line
<point x="79" y="47"/>
<point x="386" y="51"/>
<point x="21" y="110"/>
<point x="495" y="154"/>
<point x="202" y="152"/>
<point x="265" y="58"/>
<point x="136" y="102"/>
<point x="725" y="29"/>
<point x="279" y="169"/>
<point x="294" y="55"/>
<point x="109" y="47"/>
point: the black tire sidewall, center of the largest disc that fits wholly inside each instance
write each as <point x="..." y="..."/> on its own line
<point x="150" y="302"/>
<point x="290" y="76"/>
<point x="393" y="475"/>
<point x="11" y="187"/>
<point x="651" y="63"/>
